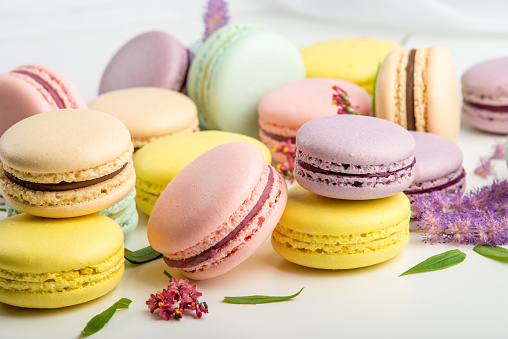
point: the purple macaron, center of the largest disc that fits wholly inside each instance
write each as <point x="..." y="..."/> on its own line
<point x="485" y="94"/>
<point x="354" y="157"/>
<point x="438" y="166"/>
<point x="151" y="59"/>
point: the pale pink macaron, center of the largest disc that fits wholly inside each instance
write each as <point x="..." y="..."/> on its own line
<point x="217" y="211"/>
<point x="283" y="110"/>
<point x="33" y="89"/>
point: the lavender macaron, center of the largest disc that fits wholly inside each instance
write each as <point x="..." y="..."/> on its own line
<point x="485" y="95"/>
<point x="354" y="157"/>
<point x="438" y="166"/>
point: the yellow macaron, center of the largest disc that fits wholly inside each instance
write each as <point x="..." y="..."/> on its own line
<point x="51" y="263"/>
<point x="157" y="163"/>
<point x="321" y="232"/>
<point x="351" y="59"/>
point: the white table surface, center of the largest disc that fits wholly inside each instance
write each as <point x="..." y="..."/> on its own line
<point x="465" y="301"/>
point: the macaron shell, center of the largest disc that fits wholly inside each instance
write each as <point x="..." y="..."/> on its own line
<point x="160" y="161"/>
<point x="486" y="82"/>
<point x="227" y="85"/>
<point x="493" y="122"/>
<point x="255" y="241"/>
<point x="21" y="100"/>
<point x="436" y="156"/>
<point x="390" y="88"/>
<point x="149" y="112"/>
<point x="205" y="198"/>
<point x="68" y="248"/>
<point x="374" y="141"/>
<point x="63" y="141"/>
<point x="72" y="203"/>
<point x="22" y="97"/>
<point x="151" y="59"/>
<point x="443" y="99"/>
<point x="320" y="220"/>
<point x="295" y="103"/>
<point x="352" y="59"/>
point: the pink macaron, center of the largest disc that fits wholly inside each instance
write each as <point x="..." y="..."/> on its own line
<point x="217" y="211"/>
<point x="33" y="89"/>
<point x="151" y="59"/>
<point x="283" y="110"/>
<point x="354" y="157"/>
<point x="485" y="95"/>
<point x="438" y="166"/>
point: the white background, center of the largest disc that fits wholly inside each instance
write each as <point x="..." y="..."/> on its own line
<point x="466" y="301"/>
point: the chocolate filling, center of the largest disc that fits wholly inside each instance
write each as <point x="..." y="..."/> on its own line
<point x="63" y="185"/>
<point x="410" y="101"/>
<point x="212" y="251"/>
<point x="279" y="137"/>
<point x="488" y="107"/>
<point x="440" y="187"/>
<point x="314" y="169"/>
<point x="59" y="102"/>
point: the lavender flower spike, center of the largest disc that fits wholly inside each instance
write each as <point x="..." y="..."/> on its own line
<point x="215" y="17"/>
<point x="479" y="217"/>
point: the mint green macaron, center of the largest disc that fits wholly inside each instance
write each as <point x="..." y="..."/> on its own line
<point x="232" y="71"/>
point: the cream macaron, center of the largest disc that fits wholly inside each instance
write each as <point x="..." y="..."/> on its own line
<point x="66" y="163"/>
<point x="50" y="263"/>
<point x="149" y="112"/>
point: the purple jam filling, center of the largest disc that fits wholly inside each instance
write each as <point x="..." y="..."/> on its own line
<point x="440" y="187"/>
<point x="314" y="169"/>
<point x="212" y="251"/>
<point x="279" y="137"/>
<point x="59" y="102"/>
<point x="491" y="108"/>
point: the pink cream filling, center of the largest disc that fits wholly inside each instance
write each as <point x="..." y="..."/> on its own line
<point x="59" y="102"/>
<point x="213" y="250"/>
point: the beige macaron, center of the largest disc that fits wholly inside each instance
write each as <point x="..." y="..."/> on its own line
<point x="66" y="163"/>
<point x="149" y="112"/>
<point x="418" y="90"/>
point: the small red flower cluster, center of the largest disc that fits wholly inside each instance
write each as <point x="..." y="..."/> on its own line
<point x="341" y="99"/>
<point x="178" y="297"/>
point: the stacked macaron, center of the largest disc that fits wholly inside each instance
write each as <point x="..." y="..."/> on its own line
<point x="284" y="109"/>
<point x="59" y="168"/>
<point x="349" y="210"/>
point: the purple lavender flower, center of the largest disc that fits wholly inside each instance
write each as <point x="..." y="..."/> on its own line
<point x="215" y="17"/>
<point x="499" y="150"/>
<point x="479" y="217"/>
<point x="485" y="168"/>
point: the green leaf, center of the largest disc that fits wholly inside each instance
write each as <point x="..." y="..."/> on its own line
<point x="259" y="299"/>
<point x="406" y="38"/>
<point x="374" y="91"/>
<point x="496" y="253"/>
<point x="97" y="323"/>
<point x="166" y="273"/>
<point x="438" y="262"/>
<point x="143" y="255"/>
